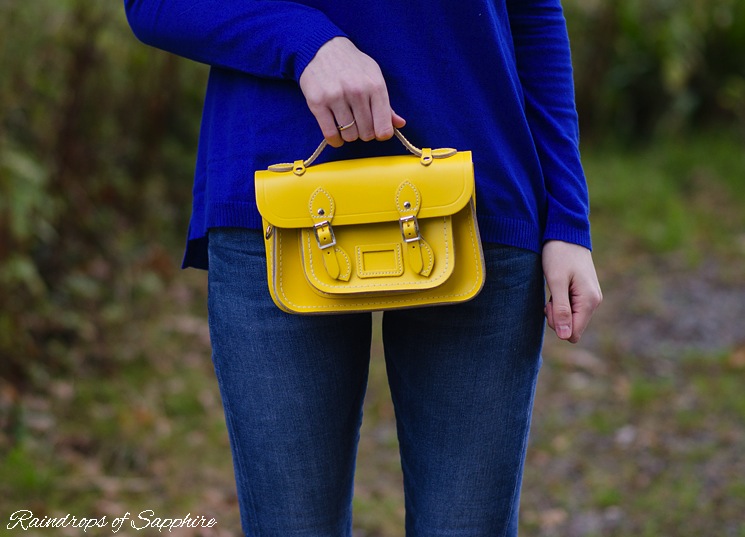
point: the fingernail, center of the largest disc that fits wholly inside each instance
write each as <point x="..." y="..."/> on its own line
<point x="564" y="332"/>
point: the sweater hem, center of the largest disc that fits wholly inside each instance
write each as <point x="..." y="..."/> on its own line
<point x="507" y="231"/>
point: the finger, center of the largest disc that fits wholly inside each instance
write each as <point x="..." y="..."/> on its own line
<point x="327" y="123"/>
<point x="361" y="108"/>
<point x="382" y="115"/>
<point x="584" y="307"/>
<point x="561" y="311"/>
<point x="346" y="126"/>
<point x="549" y="311"/>
<point x="397" y="120"/>
<point x="579" y="323"/>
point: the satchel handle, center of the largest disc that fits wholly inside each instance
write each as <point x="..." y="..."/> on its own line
<point x="426" y="155"/>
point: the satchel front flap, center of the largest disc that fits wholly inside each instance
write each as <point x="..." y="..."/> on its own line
<point x="365" y="190"/>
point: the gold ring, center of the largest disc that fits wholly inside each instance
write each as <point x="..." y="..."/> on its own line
<point x="344" y="127"/>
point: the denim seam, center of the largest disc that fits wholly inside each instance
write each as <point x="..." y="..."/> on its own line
<point x="239" y="463"/>
<point x="238" y="455"/>
<point x="514" y="500"/>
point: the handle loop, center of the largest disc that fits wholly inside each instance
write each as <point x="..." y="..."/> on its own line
<point x="426" y="155"/>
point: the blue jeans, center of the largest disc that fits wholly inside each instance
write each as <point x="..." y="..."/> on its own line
<point x="462" y="380"/>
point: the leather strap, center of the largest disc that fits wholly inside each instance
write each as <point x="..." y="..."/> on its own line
<point x="322" y="209"/>
<point x="408" y="202"/>
<point x="298" y="167"/>
<point x="331" y="262"/>
<point x="321" y="206"/>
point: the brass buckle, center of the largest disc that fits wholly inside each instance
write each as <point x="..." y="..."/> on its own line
<point x="318" y="227"/>
<point x="403" y="221"/>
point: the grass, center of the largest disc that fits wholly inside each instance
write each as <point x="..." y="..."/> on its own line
<point x="654" y="456"/>
<point x="627" y="440"/>
<point x="679" y="194"/>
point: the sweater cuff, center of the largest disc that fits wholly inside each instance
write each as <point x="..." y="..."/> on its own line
<point x="574" y="235"/>
<point x="310" y="46"/>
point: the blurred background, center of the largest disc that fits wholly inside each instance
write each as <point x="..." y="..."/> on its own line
<point x="107" y="398"/>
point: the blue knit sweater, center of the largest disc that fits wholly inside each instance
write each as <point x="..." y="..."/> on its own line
<point x="490" y="76"/>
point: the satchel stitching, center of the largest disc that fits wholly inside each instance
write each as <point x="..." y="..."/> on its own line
<point x="345" y="256"/>
<point x="330" y="214"/>
<point x="367" y="304"/>
<point x="427" y="248"/>
<point x="398" y="197"/>
<point x="392" y="284"/>
<point x="399" y="258"/>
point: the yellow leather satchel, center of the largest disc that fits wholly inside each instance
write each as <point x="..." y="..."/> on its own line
<point x="373" y="233"/>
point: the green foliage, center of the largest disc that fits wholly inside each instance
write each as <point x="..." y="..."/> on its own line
<point x="655" y="66"/>
<point x="98" y="134"/>
<point x="96" y="146"/>
<point x="683" y="193"/>
<point x="24" y="472"/>
<point x="97" y="137"/>
<point x="97" y="141"/>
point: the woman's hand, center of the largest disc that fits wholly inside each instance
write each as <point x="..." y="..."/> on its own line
<point x="345" y="88"/>
<point x="574" y="288"/>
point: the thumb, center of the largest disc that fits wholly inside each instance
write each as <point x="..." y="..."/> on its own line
<point x="559" y="312"/>
<point x="397" y="120"/>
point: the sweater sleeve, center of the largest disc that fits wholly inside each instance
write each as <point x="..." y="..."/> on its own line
<point x="265" y="38"/>
<point x="545" y="69"/>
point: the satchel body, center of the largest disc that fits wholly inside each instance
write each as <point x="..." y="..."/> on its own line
<point x="371" y="234"/>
